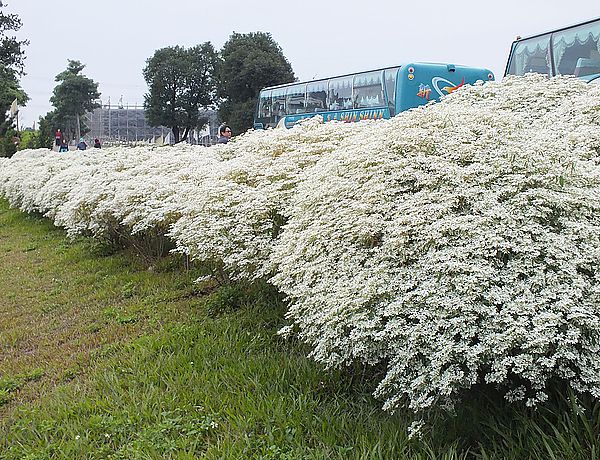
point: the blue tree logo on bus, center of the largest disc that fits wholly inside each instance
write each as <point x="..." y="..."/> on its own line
<point x="371" y="95"/>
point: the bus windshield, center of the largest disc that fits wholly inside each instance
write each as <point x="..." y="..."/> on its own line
<point x="569" y="51"/>
<point x="531" y="55"/>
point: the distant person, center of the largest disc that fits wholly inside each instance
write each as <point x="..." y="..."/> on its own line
<point x="97" y="144"/>
<point x="64" y="147"/>
<point x="58" y="138"/>
<point x="82" y="145"/>
<point x="224" y="134"/>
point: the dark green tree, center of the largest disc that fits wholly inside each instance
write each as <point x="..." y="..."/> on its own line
<point x="249" y="63"/>
<point x="12" y="57"/>
<point x="12" y="54"/>
<point x="46" y="130"/>
<point x="74" y="96"/>
<point x="181" y="82"/>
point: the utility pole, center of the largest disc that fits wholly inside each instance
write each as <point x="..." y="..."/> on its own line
<point x="109" y="134"/>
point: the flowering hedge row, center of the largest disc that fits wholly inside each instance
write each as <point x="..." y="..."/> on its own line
<point x="454" y="244"/>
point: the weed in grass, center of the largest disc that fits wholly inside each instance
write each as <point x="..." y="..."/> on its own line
<point x="12" y="338"/>
<point x="94" y="327"/>
<point x="225" y="299"/>
<point x="119" y="316"/>
<point x="171" y="263"/>
<point x="7" y="387"/>
<point x="99" y="247"/>
<point x="70" y="374"/>
<point x="33" y="375"/>
<point x="4" y="395"/>
<point x="127" y="319"/>
<point x="10" y="385"/>
<point x="49" y="307"/>
<point x="128" y="290"/>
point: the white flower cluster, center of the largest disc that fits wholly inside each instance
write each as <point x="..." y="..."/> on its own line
<point x="455" y="243"/>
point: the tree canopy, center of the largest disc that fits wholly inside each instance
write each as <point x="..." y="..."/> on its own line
<point x="181" y="82"/>
<point x="12" y="61"/>
<point x="12" y="55"/>
<point x="249" y="63"/>
<point x="74" y="96"/>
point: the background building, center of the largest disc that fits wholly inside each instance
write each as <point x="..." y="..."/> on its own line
<point x="127" y="124"/>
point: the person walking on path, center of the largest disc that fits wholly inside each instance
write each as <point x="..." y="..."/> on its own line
<point x="82" y="145"/>
<point x="64" y="147"/>
<point x="58" y="138"/>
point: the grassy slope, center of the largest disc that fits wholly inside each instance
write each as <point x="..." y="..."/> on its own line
<point x="60" y="303"/>
<point x="102" y="358"/>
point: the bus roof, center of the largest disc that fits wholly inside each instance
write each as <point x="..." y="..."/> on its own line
<point x="556" y="30"/>
<point x="355" y="73"/>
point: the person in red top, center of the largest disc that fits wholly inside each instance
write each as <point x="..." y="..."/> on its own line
<point x="58" y="137"/>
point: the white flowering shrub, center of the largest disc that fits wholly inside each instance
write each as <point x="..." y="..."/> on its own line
<point x="454" y="244"/>
<point x="462" y="246"/>
<point x="234" y="215"/>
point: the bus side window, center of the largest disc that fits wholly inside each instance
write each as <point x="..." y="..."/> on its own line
<point x="368" y="90"/>
<point x="340" y="93"/>
<point x="294" y="99"/>
<point x="278" y="107"/>
<point x="576" y="51"/>
<point x="316" y="96"/>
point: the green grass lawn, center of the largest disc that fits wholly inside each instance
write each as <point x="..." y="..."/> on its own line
<point x="105" y="357"/>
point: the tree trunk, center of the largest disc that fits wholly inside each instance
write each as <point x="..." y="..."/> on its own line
<point x="78" y="128"/>
<point x="175" y="130"/>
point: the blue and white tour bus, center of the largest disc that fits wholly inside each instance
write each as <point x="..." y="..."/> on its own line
<point x="374" y="94"/>
<point x="573" y="50"/>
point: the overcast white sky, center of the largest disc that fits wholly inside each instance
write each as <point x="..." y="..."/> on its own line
<point x="320" y="38"/>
